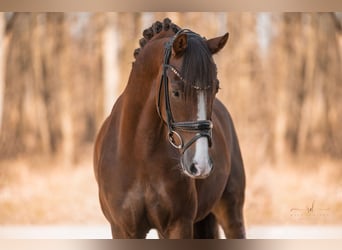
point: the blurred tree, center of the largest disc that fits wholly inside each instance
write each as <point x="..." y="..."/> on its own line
<point x="308" y="83"/>
<point x="245" y="89"/>
<point x="129" y="28"/>
<point x="2" y="56"/>
<point x="59" y="66"/>
<point x="88" y="76"/>
<point x="111" y="69"/>
<point x="280" y="77"/>
<point x="17" y="79"/>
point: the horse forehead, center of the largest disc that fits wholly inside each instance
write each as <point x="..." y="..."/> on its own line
<point x="178" y="64"/>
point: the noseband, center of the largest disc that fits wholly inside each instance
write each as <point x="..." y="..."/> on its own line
<point x="202" y="128"/>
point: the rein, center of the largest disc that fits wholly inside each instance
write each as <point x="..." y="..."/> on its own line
<point x="202" y="128"/>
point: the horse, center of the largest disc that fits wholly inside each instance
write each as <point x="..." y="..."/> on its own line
<point x="168" y="157"/>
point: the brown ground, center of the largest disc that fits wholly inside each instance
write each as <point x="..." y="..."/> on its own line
<point x="46" y="192"/>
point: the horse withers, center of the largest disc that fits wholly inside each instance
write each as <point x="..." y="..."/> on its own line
<point x="168" y="157"/>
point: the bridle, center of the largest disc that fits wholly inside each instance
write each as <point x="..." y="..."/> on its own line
<point x="202" y="128"/>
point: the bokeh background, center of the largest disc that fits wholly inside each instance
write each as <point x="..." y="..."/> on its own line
<point x="281" y="79"/>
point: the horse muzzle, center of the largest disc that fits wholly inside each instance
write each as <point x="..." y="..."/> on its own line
<point x="196" y="162"/>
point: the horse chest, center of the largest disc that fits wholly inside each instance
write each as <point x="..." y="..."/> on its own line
<point x="187" y="198"/>
<point x="209" y="192"/>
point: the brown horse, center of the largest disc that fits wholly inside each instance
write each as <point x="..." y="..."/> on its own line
<point x="168" y="156"/>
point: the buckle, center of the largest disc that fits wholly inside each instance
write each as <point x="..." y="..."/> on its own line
<point x="174" y="143"/>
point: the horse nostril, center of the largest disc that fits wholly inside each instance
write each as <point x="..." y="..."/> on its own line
<point x="193" y="169"/>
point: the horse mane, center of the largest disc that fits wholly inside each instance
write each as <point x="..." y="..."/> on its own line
<point x="155" y="29"/>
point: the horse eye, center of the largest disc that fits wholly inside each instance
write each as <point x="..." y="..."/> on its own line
<point x="217" y="86"/>
<point x="176" y="93"/>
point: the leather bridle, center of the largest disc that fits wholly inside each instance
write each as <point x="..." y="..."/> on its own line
<point x="202" y="128"/>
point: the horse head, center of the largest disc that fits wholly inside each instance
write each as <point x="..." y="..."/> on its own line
<point x="187" y="90"/>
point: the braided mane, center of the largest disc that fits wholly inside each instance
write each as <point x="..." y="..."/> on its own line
<point x="155" y="29"/>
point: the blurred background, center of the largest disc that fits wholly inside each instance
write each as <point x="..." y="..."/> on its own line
<point x="281" y="79"/>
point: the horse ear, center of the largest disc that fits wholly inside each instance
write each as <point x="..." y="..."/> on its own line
<point x="217" y="43"/>
<point x="179" y="45"/>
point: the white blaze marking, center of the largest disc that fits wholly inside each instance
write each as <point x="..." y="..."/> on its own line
<point x="202" y="148"/>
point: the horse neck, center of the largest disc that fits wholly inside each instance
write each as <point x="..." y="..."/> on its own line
<point x="139" y="97"/>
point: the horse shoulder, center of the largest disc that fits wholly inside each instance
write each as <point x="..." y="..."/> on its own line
<point x="237" y="174"/>
<point x="227" y="129"/>
<point x="105" y="133"/>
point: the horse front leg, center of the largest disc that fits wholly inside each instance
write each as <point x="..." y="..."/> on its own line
<point x="181" y="229"/>
<point x="229" y="211"/>
<point x="206" y="228"/>
<point x="119" y="232"/>
<point x="230" y="217"/>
